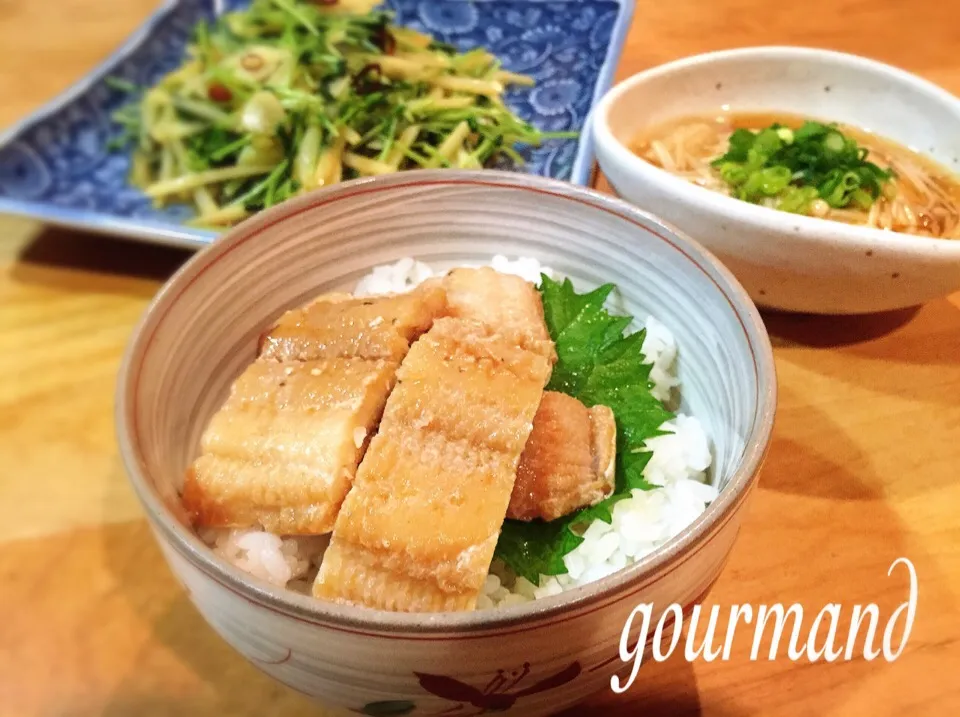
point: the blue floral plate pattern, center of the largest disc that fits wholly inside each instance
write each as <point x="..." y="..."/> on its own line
<point x="56" y="165"/>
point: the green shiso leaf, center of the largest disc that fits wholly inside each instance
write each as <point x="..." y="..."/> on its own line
<point x="597" y="364"/>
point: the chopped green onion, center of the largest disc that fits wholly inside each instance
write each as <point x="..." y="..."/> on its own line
<point x="733" y="173"/>
<point x="785" y="134"/>
<point x="834" y="142"/>
<point x="795" y="167"/>
<point x="765" y="183"/>
<point x="861" y="199"/>
<point x="796" y="200"/>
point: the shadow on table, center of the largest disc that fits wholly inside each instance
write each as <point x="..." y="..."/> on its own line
<point x="835" y="468"/>
<point x="185" y="668"/>
<point x="928" y="334"/>
<point x="61" y="249"/>
<point x="667" y="689"/>
<point x="832" y="331"/>
<point x="230" y="685"/>
<point x="901" y="356"/>
<point x="794" y="467"/>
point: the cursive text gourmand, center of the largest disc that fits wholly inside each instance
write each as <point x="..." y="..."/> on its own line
<point x="819" y="639"/>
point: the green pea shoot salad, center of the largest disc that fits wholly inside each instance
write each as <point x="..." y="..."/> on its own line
<point x="288" y="96"/>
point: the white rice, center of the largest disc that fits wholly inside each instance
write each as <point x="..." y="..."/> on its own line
<point x="678" y="464"/>
<point x="277" y="560"/>
<point x="406" y="274"/>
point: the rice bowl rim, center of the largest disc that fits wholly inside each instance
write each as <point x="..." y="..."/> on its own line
<point x="534" y="614"/>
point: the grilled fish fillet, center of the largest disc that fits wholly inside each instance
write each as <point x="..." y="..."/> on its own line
<point x="341" y="326"/>
<point x="418" y="529"/>
<point x="503" y="302"/>
<point x="568" y="462"/>
<point x="283" y="450"/>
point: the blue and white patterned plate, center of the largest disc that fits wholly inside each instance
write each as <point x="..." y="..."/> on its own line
<point x="56" y="165"/>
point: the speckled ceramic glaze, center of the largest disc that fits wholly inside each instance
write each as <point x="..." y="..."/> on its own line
<point x="787" y="261"/>
<point x="58" y="164"/>
<point x="531" y="659"/>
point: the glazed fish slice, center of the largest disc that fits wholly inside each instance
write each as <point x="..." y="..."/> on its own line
<point x="418" y="530"/>
<point x="503" y="302"/>
<point x="568" y="462"/>
<point x="341" y="326"/>
<point x="283" y="450"/>
<point x="429" y="550"/>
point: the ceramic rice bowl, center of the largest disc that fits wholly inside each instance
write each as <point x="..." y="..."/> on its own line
<point x="532" y="659"/>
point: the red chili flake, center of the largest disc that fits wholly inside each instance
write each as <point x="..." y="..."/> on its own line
<point x="219" y="93"/>
<point x="385" y="40"/>
<point x="367" y="80"/>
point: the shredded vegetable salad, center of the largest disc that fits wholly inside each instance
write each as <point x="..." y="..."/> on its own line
<point x="289" y="95"/>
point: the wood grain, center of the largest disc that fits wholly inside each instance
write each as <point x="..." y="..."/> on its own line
<point x="863" y="467"/>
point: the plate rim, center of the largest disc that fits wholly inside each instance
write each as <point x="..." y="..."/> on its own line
<point x="581" y="174"/>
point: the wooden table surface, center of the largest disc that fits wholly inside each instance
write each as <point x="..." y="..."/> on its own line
<point x="864" y="466"/>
